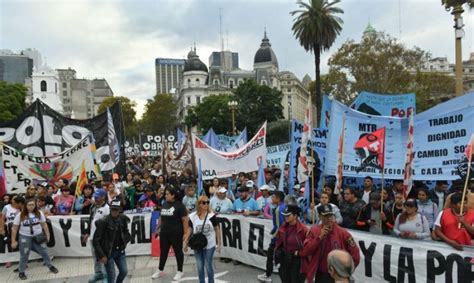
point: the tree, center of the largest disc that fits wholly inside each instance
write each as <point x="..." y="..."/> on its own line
<point x="128" y="113"/>
<point x="160" y="117"/>
<point x="212" y="112"/>
<point x="12" y="101"/>
<point x="257" y="104"/>
<point x="316" y="28"/>
<point x="278" y="132"/>
<point x="382" y="65"/>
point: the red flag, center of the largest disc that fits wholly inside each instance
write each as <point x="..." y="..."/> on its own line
<point x="371" y="149"/>
<point x="82" y="180"/>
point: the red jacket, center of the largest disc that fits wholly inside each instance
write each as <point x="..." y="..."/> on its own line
<point x="314" y="257"/>
<point x="301" y="231"/>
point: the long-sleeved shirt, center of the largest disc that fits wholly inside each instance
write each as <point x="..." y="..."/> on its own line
<point x="419" y="226"/>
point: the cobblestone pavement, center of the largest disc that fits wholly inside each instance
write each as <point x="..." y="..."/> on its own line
<point x="140" y="269"/>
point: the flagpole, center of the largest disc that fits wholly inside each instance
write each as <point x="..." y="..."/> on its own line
<point x="465" y="184"/>
<point x="383" y="181"/>
<point x="312" y="181"/>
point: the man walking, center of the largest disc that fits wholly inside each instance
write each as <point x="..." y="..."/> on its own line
<point x="110" y="240"/>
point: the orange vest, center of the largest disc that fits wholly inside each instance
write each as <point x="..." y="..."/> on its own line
<point x="449" y="226"/>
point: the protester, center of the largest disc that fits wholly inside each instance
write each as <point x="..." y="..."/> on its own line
<point x="264" y="199"/>
<point x="64" y="203"/>
<point x="453" y="227"/>
<point x="212" y="189"/>
<point x="350" y="208"/>
<point x="9" y="213"/>
<point x="203" y="220"/>
<point x="322" y="239"/>
<point x="62" y="183"/>
<point x="426" y="207"/>
<point x="371" y="218"/>
<point x="289" y="244"/>
<point x="42" y="206"/>
<point x="172" y="228"/>
<point x="116" y="181"/>
<point x="112" y="192"/>
<point x="329" y="189"/>
<point x="410" y="224"/>
<point x="368" y="188"/>
<point x="278" y="219"/>
<point x="30" y="192"/>
<point x="323" y="200"/>
<point x="397" y="187"/>
<point x="84" y="201"/>
<point x="393" y="211"/>
<point x="31" y="225"/>
<point x="340" y="266"/>
<point x="220" y="203"/>
<point x="98" y="211"/>
<point x="148" y="200"/>
<point x="439" y="194"/>
<point x="110" y="240"/>
<point x="43" y="190"/>
<point x="245" y="204"/>
<point x="190" y="199"/>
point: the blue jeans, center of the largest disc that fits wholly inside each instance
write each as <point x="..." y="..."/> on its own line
<point x="27" y="244"/>
<point x="98" y="266"/>
<point x="204" y="257"/>
<point x="119" y="258"/>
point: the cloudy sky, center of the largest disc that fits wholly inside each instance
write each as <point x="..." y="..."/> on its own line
<point x="119" y="40"/>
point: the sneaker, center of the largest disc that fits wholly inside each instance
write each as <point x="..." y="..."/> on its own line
<point x="263" y="277"/>
<point x="22" y="276"/>
<point x="96" y="277"/>
<point x="178" y="276"/>
<point x="158" y="274"/>
<point x="53" y="269"/>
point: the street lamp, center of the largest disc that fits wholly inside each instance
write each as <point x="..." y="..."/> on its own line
<point x="232" y="107"/>
<point x="455" y="6"/>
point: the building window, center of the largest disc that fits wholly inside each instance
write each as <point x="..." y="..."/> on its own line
<point x="189" y="99"/>
<point x="189" y="82"/>
<point x="198" y="99"/>
<point x="216" y="82"/>
<point x="197" y="81"/>
<point x="231" y="83"/>
<point x="240" y="81"/>
<point x="288" y="90"/>
<point x="43" y="86"/>
<point x="64" y="85"/>
<point x="264" y="82"/>
<point x="64" y="93"/>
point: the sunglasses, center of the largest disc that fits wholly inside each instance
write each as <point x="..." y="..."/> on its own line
<point x="205" y="202"/>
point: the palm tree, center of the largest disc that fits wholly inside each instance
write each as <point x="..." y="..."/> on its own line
<point x="316" y="28"/>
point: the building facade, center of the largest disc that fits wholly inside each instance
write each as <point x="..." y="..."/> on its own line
<point x="168" y="73"/>
<point x="46" y="87"/>
<point x="17" y="69"/>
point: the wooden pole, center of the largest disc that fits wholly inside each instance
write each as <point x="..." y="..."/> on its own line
<point x="312" y="183"/>
<point x="465" y="185"/>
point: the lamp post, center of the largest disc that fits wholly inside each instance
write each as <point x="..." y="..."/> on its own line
<point x="455" y="6"/>
<point x="232" y="107"/>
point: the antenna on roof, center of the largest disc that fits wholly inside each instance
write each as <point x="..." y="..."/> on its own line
<point x="220" y="29"/>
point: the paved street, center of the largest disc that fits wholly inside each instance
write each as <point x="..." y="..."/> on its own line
<point x="140" y="268"/>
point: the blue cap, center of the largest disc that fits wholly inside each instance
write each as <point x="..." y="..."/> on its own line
<point x="100" y="193"/>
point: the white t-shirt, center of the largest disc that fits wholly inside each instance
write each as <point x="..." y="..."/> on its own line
<point x="208" y="230"/>
<point x="221" y="205"/>
<point x="263" y="201"/>
<point x="100" y="213"/>
<point x="35" y="222"/>
<point x="366" y="196"/>
<point x="10" y="213"/>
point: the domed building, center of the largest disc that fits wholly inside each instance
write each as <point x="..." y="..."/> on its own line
<point x="265" y="63"/>
<point x="45" y="82"/>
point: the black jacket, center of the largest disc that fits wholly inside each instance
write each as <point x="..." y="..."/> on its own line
<point x="104" y="235"/>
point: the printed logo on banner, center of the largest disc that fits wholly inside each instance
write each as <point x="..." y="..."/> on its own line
<point x="51" y="172"/>
<point x="370" y="149"/>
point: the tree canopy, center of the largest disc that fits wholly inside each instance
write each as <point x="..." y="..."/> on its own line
<point x="12" y="101"/>
<point x="212" y="112"/>
<point x="128" y="112"/>
<point x="381" y="64"/>
<point x="160" y="117"/>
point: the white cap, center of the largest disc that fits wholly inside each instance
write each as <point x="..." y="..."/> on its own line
<point x="264" y="188"/>
<point x="222" y="190"/>
<point x="250" y="184"/>
<point x="271" y="188"/>
<point x="44" y="184"/>
<point x="296" y="187"/>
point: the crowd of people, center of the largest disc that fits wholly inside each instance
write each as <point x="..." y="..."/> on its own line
<point x="322" y="253"/>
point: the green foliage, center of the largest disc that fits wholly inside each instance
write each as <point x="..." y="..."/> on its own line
<point x="316" y="27"/>
<point x="382" y="65"/>
<point x="212" y="112"/>
<point x="278" y="132"/>
<point x="12" y="101"/>
<point x="160" y="117"/>
<point x="257" y="104"/>
<point x="128" y="112"/>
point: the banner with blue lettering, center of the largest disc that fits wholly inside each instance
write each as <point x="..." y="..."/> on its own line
<point x="318" y="145"/>
<point x="325" y="112"/>
<point x="457" y="103"/>
<point x="385" y="104"/>
<point x="232" y="143"/>
<point x="439" y="142"/>
<point x="358" y="124"/>
<point x="277" y="154"/>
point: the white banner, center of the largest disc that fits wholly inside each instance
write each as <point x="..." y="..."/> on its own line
<point x="223" y="164"/>
<point x="246" y="239"/>
<point x="22" y="170"/>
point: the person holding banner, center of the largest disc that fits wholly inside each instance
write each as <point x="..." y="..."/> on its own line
<point x="64" y="203"/>
<point x="453" y="227"/>
<point x="324" y="200"/>
<point x="84" y="201"/>
<point x="245" y="204"/>
<point x="221" y="204"/>
<point x="172" y="228"/>
<point x="322" y="239"/>
<point x="410" y="224"/>
<point x="34" y="234"/>
<point x="426" y="207"/>
<point x="371" y="219"/>
<point x="289" y="244"/>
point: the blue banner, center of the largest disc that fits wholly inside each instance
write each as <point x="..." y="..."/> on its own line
<point x="233" y="143"/>
<point x="278" y="154"/>
<point x="399" y="105"/>
<point x="318" y="146"/>
<point x="325" y="112"/>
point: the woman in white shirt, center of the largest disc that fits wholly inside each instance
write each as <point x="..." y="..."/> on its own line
<point x="205" y="221"/>
<point x="34" y="234"/>
<point x="7" y="216"/>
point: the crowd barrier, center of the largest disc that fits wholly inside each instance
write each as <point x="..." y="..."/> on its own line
<point x="383" y="258"/>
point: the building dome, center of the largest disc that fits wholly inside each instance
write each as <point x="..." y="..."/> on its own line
<point x="194" y="63"/>
<point x="369" y="30"/>
<point x="265" y="53"/>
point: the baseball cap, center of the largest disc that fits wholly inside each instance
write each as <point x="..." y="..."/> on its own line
<point x="325" y="209"/>
<point x="264" y="188"/>
<point x="100" y="193"/>
<point x="292" y="209"/>
<point x="115" y="204"/>
<point x="250" y="184"/>
<point x="44" y="184"/>
<point x="222" y="190"/>
<point x="271" y="188"/>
